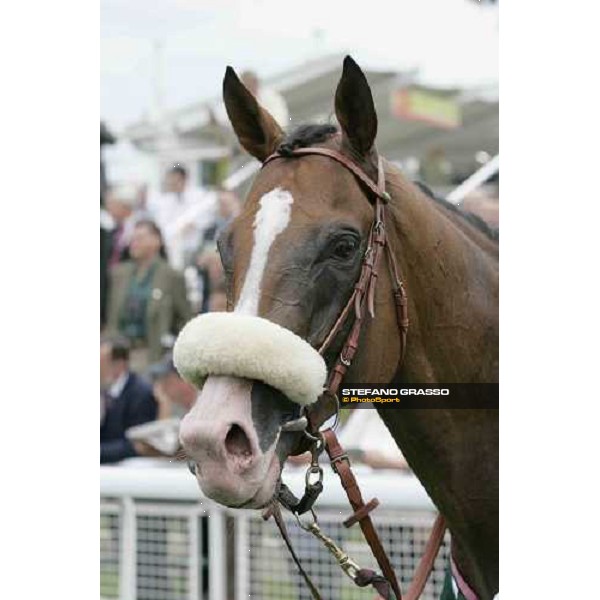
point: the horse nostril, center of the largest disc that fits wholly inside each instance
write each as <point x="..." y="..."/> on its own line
<point x="237" y="442"/>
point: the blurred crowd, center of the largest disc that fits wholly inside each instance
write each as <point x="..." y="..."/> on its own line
<point x="159" y="268"/>
<point x="162" y="268"/>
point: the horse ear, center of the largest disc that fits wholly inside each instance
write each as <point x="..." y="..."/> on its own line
<point x="256" y="129"/>
<point x="354" y="108"/>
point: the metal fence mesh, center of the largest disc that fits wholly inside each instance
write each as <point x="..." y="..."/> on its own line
<point x="273" y="575"/>
<point x="168" y="551"/>
<point x="158" y="551"/>
<point x="162" y="557"/>
<point x="110" y="528"/>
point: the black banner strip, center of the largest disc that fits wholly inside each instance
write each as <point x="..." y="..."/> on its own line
<point x="439" y="395"/>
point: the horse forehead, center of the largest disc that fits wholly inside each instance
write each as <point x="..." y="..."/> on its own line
<point x="321" y="191"/>
<point x="273" y="214"/>
<point x="270" y="220"/>
<point x="315" y="182"/>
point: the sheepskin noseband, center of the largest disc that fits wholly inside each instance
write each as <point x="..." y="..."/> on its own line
<point x="253" y="348"/>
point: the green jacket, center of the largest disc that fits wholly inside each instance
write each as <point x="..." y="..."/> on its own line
<point x="168" y="308"/>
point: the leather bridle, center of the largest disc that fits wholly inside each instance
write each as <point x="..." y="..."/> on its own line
<point x="363" y="294"/>
<point x="361" y="300"/>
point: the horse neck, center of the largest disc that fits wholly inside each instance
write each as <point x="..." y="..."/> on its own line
<point x="450" y="273"/>
<point x="450" y="270"/>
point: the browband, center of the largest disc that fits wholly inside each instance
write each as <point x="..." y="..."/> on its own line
<point x="378" y="190"/>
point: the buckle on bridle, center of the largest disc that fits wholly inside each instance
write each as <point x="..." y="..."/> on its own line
<point x="314" y="469"/>
<point x="338" y="459"/>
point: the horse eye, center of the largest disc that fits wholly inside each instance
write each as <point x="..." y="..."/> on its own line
<point x="345" y="247"/>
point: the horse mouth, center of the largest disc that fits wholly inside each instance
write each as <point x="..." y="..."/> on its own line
<point x="249" y="504"/>
<point x="261" y="496"/>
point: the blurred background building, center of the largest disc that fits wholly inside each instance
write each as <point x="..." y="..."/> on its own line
<point x="432" y="66"/>
<point x="440" y="135"/>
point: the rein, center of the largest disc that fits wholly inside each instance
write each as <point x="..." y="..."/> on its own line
<point x="361" y="300"/>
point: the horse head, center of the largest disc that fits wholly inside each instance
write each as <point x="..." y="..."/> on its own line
<point x="291" y="258"/>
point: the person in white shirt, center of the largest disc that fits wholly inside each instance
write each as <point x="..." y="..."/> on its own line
<point x="122" y="203"/>
<point x="183" y="213"/>
<point x="267" y="97"/>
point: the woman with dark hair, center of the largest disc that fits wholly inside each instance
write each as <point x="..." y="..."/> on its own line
<point x="148" y="302"/>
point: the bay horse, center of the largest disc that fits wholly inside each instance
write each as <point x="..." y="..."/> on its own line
<point x="291" y="260"/>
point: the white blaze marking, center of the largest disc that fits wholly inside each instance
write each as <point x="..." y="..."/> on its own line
<point x="271" y="219"/>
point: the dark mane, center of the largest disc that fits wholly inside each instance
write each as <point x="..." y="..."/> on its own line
<point x="491" y="232"/>
<point x="309" y="134"/>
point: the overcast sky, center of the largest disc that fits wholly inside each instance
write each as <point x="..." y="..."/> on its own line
<point x="450" y="41"/>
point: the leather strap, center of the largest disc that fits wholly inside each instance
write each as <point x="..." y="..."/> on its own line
<point x="288" y="499"/>
<point x="465" y="589"/>
<point x="337" y="156"/>
<point x="361" y="300"/>
<point x="363" y="295"/>
<point x="275" y="512"/>
<point x="361" y="513"/>
<point x="434" y="543"/>
<point x="341" y="465"/>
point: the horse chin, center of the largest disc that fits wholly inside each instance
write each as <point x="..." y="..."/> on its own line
<point x="269" y="487"/>
<point x="250" y="496"/>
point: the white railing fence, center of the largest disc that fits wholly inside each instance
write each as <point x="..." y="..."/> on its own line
<point x="489" y="169"/>
<point x="160" y="540"/>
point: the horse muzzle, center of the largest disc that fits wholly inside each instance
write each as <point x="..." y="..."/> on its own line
<point x="221" y="441"/>
<point x="230" y="437"/>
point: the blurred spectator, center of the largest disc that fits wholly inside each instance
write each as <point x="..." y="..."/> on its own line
<point x="435" y="169"/>
<point x="148" y="302"/>
<point x="212" y="274"/>
<point x="217" y="300"/>
<point x="174" y="395"/>
<point x="267" y="97"/>
<point x="209" y="263"/>
<point x="229" y="206"/>
<point x="106" y="137"/>
<point x="121" y="203"/>
<point x="126" y="400"/>
<point x="183" y="213"/>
